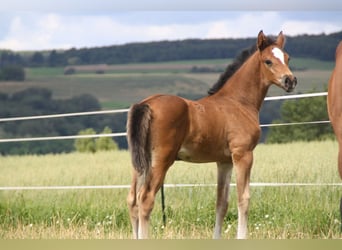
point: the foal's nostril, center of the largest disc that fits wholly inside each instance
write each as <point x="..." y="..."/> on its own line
<point x="287" y="81"/>
<point x="291" y="81"/>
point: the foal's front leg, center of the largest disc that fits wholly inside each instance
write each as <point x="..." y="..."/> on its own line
<point x="224" y="173"/>
<point x="243" y="163"/>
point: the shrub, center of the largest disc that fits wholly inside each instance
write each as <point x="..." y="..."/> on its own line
<point x="69" y="71"/>
<point x="86" y="145"/>
<point x="12" y="73"/>
<point x="93" y="145"/>
<point x="106" y="143"/>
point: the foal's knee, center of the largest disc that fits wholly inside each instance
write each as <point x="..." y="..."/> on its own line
<point x="146" y="204"/>
<point x="131" y="198"/>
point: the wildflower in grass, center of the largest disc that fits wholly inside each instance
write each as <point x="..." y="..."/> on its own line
<point x="257" y="226"/>
<point x="228" y="228"/>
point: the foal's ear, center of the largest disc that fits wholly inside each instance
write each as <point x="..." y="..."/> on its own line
<point x="261" y="40"/>
<point x="281" y="40"/>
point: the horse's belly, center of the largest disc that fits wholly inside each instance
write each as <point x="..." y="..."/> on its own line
<point x="202" y="155"/>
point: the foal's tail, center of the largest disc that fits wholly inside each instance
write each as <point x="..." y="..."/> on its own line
<point x="138" y="137"/>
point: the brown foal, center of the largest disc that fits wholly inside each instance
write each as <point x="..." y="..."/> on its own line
<point x="222" y="127"/>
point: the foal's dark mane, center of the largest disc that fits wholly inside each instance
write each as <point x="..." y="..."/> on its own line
<point x="237" y="63"/>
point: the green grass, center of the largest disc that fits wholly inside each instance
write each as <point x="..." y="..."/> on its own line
<point x="32" y="73"/>
<point x="311" y="64"/>
<point x="275" y="212"/>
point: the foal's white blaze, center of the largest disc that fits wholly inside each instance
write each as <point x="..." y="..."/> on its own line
<point x="279" y="54"/>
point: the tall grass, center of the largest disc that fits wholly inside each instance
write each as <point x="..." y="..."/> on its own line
<point x="275" y="212"/>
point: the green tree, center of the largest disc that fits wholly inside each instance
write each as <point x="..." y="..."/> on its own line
<point x="12" y="73"/>
<point x="86" y="145"/>
<point x="106" y="143"/>
<point x="301" y="110"/>
<point x="37" y="59"/>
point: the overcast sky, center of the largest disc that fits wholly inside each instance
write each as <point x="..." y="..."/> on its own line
<point x="62" y="24"/>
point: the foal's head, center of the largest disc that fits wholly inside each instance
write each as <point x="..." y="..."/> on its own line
<point x="274" y="62"/>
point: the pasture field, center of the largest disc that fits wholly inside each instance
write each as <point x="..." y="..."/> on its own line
<point x="288" y="212"/>
<point x="122" y="85"/>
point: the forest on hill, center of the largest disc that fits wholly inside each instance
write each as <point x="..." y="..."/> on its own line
<point x="321" y="47"/>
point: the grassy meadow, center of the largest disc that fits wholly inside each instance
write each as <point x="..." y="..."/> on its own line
<point x="291" y="212"/>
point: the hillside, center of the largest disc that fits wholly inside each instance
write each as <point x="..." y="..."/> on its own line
<point x="121" y="84"/>
<point x="321" y="47"/>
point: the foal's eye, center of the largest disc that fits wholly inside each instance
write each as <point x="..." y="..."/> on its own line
<point x="268" y="62"/>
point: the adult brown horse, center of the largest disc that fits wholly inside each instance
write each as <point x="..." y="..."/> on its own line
<point x="334" y="104"/>
<point x="222" y="127"/>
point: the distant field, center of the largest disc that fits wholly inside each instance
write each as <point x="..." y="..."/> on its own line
<point x="293" y="212"/>
<point x="122" y="85"/>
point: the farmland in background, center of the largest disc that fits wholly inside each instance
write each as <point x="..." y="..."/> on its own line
<point x="275" y="213"/>
<point x="121" y="85"/>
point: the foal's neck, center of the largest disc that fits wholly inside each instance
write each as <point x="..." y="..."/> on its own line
<point x="246" y="85"/>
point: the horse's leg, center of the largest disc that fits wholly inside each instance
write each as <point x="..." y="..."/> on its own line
<point x="340" y="158"/>
<point x="147" y="193"/>
<point x="224" y="173"/>
<point x="133" y="206"/>
<point x="340" y="172"/>
<point x="243" y="164"/>
<point x="341" y="212"/>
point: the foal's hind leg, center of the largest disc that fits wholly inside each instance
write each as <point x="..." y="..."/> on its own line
<point x="146" y="196"/>
<point x="224" y="173"/>
<point x="132" y="205"/>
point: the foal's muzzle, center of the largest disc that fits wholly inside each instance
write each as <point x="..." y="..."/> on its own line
<point x="290" y="83"/>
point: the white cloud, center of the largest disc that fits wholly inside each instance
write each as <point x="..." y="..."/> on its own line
<point x="310" y="27"/>
<point x="38" y="31"/>
<point x="31" y="33"/>
<point x="245" y="25"/>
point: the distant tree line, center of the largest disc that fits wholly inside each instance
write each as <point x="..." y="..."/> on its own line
<point x="38" y="101"/>
<point x="320" y="47"/>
